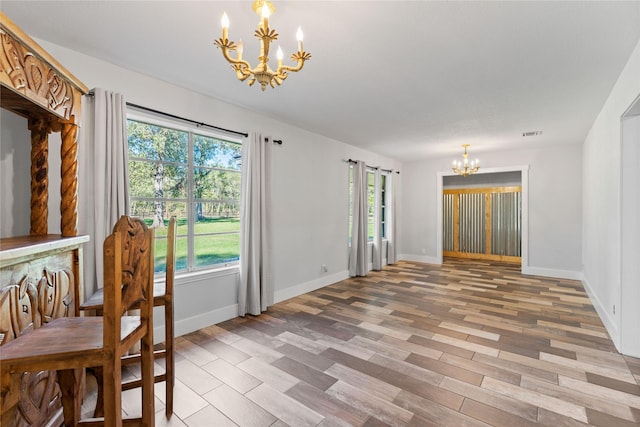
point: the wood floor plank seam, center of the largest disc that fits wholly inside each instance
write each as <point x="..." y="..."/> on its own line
<point x="465" y="343"/>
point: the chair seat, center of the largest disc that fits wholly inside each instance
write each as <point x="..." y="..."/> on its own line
<point x="96" y="301"/>
<point x="53" y="344"/>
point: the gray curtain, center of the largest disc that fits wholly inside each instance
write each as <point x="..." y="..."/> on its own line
<point x="377" y="215"/>
<point x="256" y="289"/>
<point x="392" y="217"/>
<point x="103" y="176"/>
<point x="358" y="265"/>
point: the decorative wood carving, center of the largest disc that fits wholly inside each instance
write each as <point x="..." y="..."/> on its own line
<point x="36" y="86"/>
<point x="39" y="274"/>
<point x="69" y="186"/>
<point x="55" y="294"/>
<point x="134" y="249"/>
<point x="33" y="291"/>
<point x="35" y="79"/>
<point x="18" y="308"/>
<point x="39" y="128"/>
<point x="23" y="307"/>
<point x="39" y="399"/>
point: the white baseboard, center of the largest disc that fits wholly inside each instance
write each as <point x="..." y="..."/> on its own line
<point x="200" y="321"/>
<point x="312" y="285"/>
<point x="605" y="315"/>
<point x="420" y="258"/>
<point x="203" y="320"/>
<point x="552" y="272"/>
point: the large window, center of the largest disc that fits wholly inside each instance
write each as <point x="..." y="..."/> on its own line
<point x="371" y="202"/>
<point x="194" y="176"/>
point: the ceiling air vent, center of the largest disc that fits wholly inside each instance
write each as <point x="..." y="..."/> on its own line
<point x="532" y="133"/>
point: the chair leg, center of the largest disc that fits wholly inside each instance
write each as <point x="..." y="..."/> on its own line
<point x="148" y="380"/>
<point x="70" y="381"/>
<point x="111" y="382"/>
<point x="169" y="358"/>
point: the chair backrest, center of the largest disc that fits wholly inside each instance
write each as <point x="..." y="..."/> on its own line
<point x="137" y="260"/>
<point x="128" y="276"/>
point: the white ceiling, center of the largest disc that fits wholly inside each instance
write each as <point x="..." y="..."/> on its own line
<point x="407" y="79"/>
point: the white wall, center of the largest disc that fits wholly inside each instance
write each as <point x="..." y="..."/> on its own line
<point x="554" y="200"/>
<point x="309" y="218"/>
<point x="15" y="147"/>
<point x="602" y="210"/>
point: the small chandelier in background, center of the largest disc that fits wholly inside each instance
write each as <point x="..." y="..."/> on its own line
<point x="465" y="168"/>
<point x="262" y="72"/>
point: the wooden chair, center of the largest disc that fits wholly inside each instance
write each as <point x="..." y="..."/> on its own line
<point x="162" y="297"/>
<point x="69" y="344"/>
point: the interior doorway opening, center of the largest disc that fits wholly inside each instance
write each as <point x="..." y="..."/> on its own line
<point x="492" y="236"/>
<point x="482" y="217"/>
<point x="630" y="230"/>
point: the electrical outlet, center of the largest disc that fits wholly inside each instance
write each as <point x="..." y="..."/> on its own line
<point x="614" y="309"/>
<point x="324" y="268"/>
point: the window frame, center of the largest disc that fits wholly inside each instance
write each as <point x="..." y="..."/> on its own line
<point x="189" y="201"/>
<point x="383" y="191"/>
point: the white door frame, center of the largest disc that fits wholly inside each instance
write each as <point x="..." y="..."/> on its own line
<point x="630" y="230"/>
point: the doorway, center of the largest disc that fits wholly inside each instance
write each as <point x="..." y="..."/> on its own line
<point x="490" y="177"/>
<point x="483" y="222"/>
<point x="630" y="230"/>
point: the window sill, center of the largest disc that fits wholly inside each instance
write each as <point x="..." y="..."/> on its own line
<point x="195" y="276"/>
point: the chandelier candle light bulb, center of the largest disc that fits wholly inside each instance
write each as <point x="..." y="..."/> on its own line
<point x="279" y="55"/>
<point x="262" y="72"/>
<point x="465" y="168"/>
<point x="299" y="37"/>
<point x="265" y="16"/>
<point x="225" y="26"/>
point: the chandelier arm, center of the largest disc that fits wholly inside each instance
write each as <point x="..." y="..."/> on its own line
<point x="285" y="68"/>
<point x="234" y="61"/>
<point x="300" y="57"/>
<point x="242" y="74"/>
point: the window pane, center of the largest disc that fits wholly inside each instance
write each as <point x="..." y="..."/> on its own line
<point x="161" y="231"/>
<point x="216" y="249"/>
<point x="147" y="211"/>
<point x="160" y="263"/>
<point x="216" y="152"/>
<point x="157" y="180"/>
<point x="216" y="184"/>
<point x="350" y="202"/>
<point x="383" y="207"/>
<point x="140" y="182"/>
<point x="152" y="142"/>
<point x="221" y="223"/>
<point x="371" y="194"/>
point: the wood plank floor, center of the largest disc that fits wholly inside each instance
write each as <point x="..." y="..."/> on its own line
<point x="463" y="344"/>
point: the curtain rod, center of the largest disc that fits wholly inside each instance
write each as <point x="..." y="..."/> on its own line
<point x="140" y="107"/>
<point x="151" y="110"/>
<point x="372" y="167"/>
<point x="275" y="141"/>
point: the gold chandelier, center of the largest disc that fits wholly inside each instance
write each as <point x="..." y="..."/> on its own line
<point x="465" y="168"/>
<point x="262" y="72"/>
